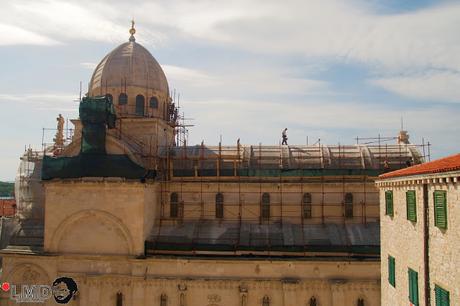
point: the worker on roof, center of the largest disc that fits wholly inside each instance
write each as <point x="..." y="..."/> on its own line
<point x="284" y="135"/>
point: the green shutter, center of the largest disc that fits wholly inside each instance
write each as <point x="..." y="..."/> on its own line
<point x="391" y="271"/>
<point x="411" y="206"/>
<point x="413" y="287"/>
<point x="440" y="208"/>
<point x="389" y="203"/>
<point x="442" y="296"/>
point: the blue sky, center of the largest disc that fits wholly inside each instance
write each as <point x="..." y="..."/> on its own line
<point x="326" y="69"/>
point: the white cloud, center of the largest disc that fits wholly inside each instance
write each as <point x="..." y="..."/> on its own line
<point x="246" y="80"/>
<point x="12" y="35"/>
<point x="432" y="86"/>
<point x="58" y="102"/>
<point x="67" y="21"/>
<point x="187" y="76"/>
<point x="257" y="121"/>
<point x="88" y="65"/>
<point x="324" y="28"/>
<point x="31" y="97"/>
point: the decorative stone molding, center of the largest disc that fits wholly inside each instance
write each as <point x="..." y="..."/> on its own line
<point x="27" y="272"/>
<point x="442" y="178"/>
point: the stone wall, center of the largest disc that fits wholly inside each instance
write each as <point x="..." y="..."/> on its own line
<point x="217" y="282"/>
<point x="403" y="239"/>
<point x="445" y="243"/>
<point x="98" y="216"/>
<point x="198" y="199"/>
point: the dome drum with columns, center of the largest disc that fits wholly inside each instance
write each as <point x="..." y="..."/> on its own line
<point x="134" y="81"/>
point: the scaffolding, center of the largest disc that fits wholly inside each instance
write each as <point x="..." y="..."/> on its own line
<point x="275" y="198"/>
<point x="243" y="174"/>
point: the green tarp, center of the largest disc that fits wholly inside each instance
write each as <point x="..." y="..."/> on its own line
<point x="93" y="165"/>
<point x="96" y="114"/>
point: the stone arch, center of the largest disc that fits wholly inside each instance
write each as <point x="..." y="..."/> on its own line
<point x="103" y="234"/>
<point x="28" y="273"/>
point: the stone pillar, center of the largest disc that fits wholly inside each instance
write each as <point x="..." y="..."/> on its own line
<point x="182" y="291"/>
<point x="243" y="295"/>
<point x="94" y="293"/>
<point x="290" y="287"/>
<point x="337" y="292"/>
<point x="138" y="293"/>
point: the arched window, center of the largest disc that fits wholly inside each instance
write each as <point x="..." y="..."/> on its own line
<point x="122" y="99"/>
<point x="265" y="206"/>
<point x="163" y="300"/>
<point x="312" y="301"/>
<point x="140" y="105"/>
<point x="119" y="299"/>
<point x="266" y="301"/>
<point x="153" y="102"/>
<point x="174" y="205"/>
<point x="348" y="205"/>
<point x="219" y="205"/>
<point x="360" y="302"/>
<point x="306" y="203"/>
<point x="110" y="97"/>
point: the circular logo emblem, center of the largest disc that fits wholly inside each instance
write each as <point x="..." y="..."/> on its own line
<point x="64" y="288"/>
<point x="6" y="286"/>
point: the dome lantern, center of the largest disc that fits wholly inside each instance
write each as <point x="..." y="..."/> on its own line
<point x="132" y="31"/>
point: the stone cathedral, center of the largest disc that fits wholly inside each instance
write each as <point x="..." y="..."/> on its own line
<point x="136" y="217"/>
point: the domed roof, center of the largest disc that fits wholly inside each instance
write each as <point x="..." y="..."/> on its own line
<point x="130" y="64"/>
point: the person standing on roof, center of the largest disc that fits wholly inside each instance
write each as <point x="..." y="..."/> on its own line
<point x="284" y="135"/>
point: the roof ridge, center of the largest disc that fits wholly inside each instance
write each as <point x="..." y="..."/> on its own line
<point x="445" y="164"/>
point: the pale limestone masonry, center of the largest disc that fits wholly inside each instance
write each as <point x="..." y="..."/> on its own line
<point x="403" y="239"/>
<point x="216" y="281"/>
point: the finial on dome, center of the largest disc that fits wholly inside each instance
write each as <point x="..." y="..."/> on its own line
<point x="132" y="31"/>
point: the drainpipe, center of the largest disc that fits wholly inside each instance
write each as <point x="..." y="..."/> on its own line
<point x="426" y="236"/>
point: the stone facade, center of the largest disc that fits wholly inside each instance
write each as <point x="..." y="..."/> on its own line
<point x="404" y="239"/>
<point x="209" y="281"/>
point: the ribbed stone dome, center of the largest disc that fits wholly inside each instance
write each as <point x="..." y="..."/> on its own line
<point x="129" y="65"/>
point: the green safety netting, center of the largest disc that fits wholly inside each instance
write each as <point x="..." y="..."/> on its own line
<point x="92" y="165"/>
<point x="96" y="114"/>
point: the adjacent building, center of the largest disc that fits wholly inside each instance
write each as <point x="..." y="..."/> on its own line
<point x="420" y="234"/>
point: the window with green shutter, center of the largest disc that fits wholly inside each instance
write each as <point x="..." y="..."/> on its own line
<point x="440" y="208"/>
<point x="391" y="271"/>
<point x="411" y="206"/>
<point x="442" y="296"/>
<point x="413" y="287"/>
<point x="389" y="203"/>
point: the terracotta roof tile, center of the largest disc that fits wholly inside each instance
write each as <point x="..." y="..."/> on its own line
<point x="450" y="163"/>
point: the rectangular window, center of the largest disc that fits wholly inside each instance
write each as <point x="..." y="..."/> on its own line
<point x="348" y="205"/>
<point x="413" y="287"/>
<point x="265" y="213"/>
<point x="306" y="201"/>
<point x="391" y="271"/>
<point x="442" y="296"/>
<point x="389" y="203"/>
<point x="440" y="208"/>
<point x="411" y="206"/>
